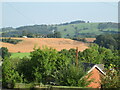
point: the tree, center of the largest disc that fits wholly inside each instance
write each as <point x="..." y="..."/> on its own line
<point x="112" y="78"/>
<point x="97" y="55"/>
<point x="30" y="35"/>
<point x="10" y="76"/>
<point x="72" y="76"/>
<point x="9" y="40"/>
<point x="24" y="33"/>
<point x="70" y="54"/>
<point x="54" y="35"/>
<point x="107" y="41"/>
<point x="65" y="29"/>
<point x="4" y="52"/>
<point x="25" y="67"/>
<point x="57" y="34"/>
<point x="76" y="28"/>
<point x="91" y="55"/>
<point x="45" y="63"/>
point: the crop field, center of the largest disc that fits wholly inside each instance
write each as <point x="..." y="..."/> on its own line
<point x="90" y="39"/>
<point x="27" y="44"/>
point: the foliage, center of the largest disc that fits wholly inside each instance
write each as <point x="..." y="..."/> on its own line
<point x="107" y="25"/>
<point x="7" y="29"/>
<point x="95" y="54"/>
<point x="9" y="40"/>
<point x="48" y="66"/>
<point x="47" y="62"/>
<point x="10" y="76"/>
<point x="30" y="30"/>
<point x="42" y="65"/>
<point x="80" y="39"/>
<point x="108" y="41"/>
<point x="85" y="30"/>
<point x="54" y="35"/>
<point x="4" y="52"/>
<point x="112" y="78"/>
<point x="72" y="76"/>
<point x="70" y="54"/>
<point x="73" y="29"/>
<point x="25" y="67"/>
<point x="90" y="55"/>
<point x="98" y="55"/>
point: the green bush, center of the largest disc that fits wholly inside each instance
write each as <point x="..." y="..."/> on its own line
<point x="4" y="52"/>
<point x="9" y="40"/>
<point x="112" y="78"/>
<point x="72" y="76"/>
<point x="10" y="76"/>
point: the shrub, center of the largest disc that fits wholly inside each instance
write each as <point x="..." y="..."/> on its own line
<point x="9" y="40"/>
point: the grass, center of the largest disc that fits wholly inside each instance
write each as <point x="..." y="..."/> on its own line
<point x="91" y="29"/>
<point x="31" y="85"/>
<point x="23" y="85"/>
<point x="20" y="55"/>
<point x="67" y="87"/>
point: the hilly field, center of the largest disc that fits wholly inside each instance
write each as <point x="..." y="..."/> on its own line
<point x="87" y="29"/>
<point x="66" y="30"/>
<point x="27" y="44"/>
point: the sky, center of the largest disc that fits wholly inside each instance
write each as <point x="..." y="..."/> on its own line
<point x="15" y="14"/>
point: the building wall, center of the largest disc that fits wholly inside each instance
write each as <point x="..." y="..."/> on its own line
<point x="95" y="74"/>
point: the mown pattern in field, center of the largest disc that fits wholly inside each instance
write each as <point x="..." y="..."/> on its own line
<point x="28" y="44"/>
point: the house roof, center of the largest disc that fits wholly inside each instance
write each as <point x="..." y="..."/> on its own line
<point x="87" y="66"/>
<point x="91" y="66"/>
<point x="100" y="67"/>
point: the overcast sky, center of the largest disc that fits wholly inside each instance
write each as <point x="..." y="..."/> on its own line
<point x="15" y="14"/>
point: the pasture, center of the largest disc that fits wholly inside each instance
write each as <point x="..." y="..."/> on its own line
<point x="20" y="55"/>
<point x="82" y="28"/>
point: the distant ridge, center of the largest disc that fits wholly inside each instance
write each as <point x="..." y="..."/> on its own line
<point x="78" y="28"/>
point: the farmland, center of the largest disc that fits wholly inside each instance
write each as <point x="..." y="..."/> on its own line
<point x="49" y="46"/>
<point x="83" y="29"/>
<point x="19" y="55"/>
<point x="66" y="30"/>
<point x="27" y="44"/>
<point x="70" y="29"/>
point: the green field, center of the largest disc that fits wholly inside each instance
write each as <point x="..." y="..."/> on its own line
<point x="20" y="55"/>
<point x="82" y="28"/>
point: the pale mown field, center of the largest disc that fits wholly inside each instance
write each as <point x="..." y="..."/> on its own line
<point x="28" y="44"/>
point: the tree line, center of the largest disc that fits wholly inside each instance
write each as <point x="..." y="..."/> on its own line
<point x="9" y="40"/>
<point x="48" y="66"/>
<point x="110" y="41"/>
<point x="43" y="30"/>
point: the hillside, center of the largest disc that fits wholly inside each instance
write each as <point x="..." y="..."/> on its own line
<point x="67" y="30"/>
<point x="28" y="44"/>
<point x="85" y="30"/>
